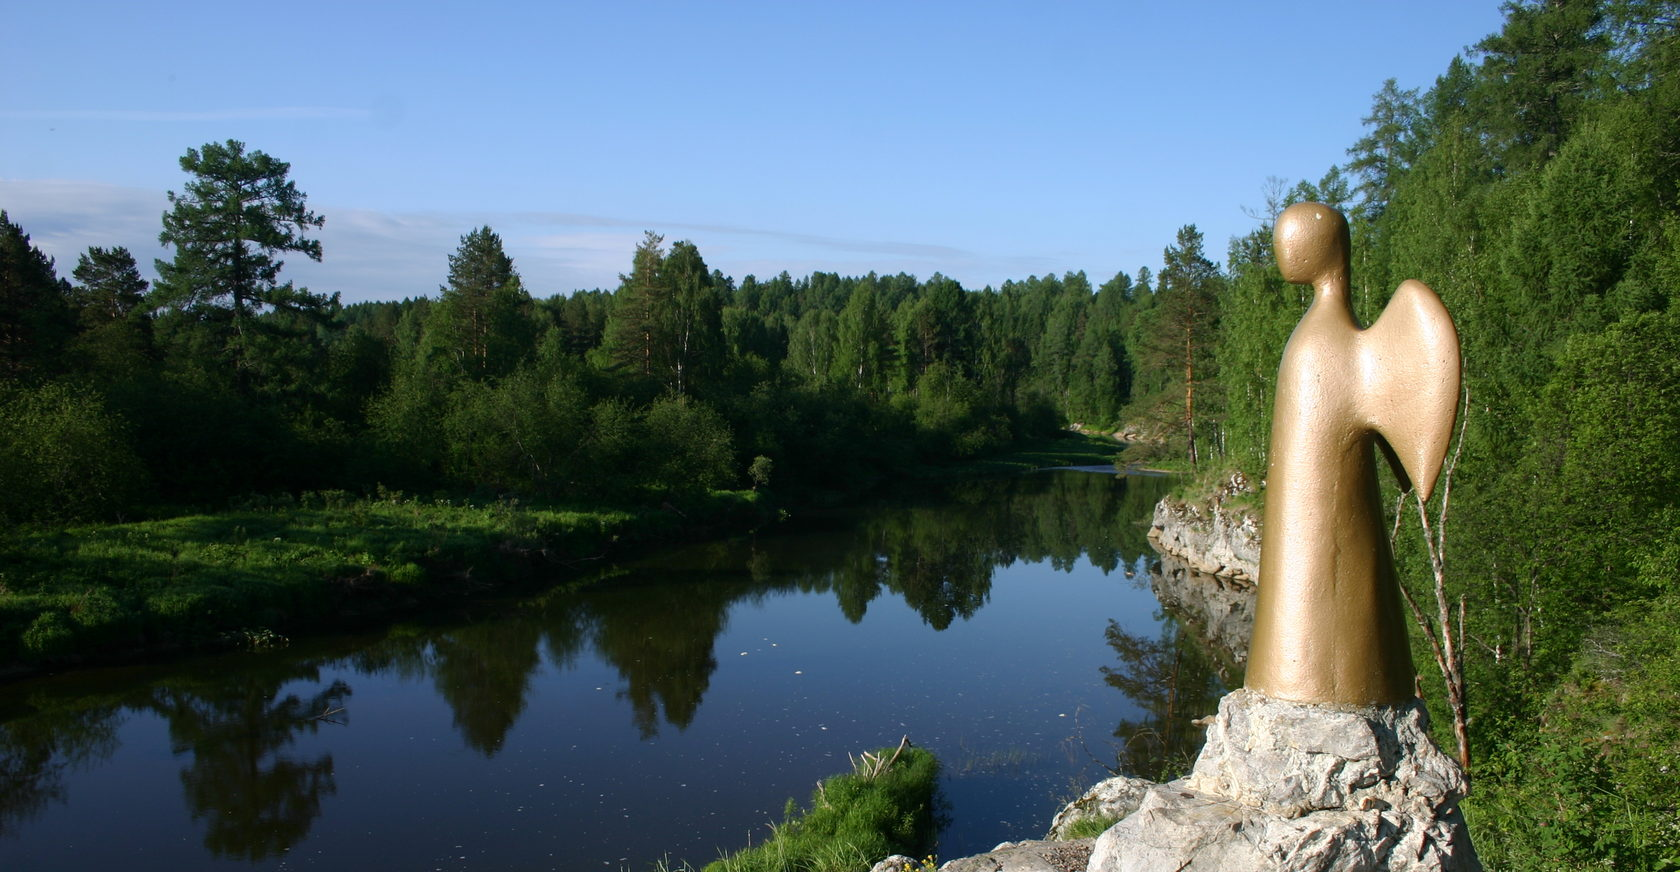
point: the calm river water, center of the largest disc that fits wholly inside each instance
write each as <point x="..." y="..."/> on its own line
<point x="669" y="710"/>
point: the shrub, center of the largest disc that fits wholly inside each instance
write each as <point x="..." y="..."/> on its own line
<point x="693" y="449"/>
<point x="63" y="456"/>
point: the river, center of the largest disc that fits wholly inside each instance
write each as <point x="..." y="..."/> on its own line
<point x="667" y="710"/>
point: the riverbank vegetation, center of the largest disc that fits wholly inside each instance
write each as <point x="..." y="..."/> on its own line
<point x="95" y="592"/>
<point x="884" y="806"/>
<point x="271" y="566"/>
<point x="222" y="387"/>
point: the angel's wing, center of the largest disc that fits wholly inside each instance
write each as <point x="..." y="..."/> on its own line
<point x="1409" y="377"/>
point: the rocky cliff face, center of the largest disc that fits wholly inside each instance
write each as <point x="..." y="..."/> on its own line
<point x="1210" y="535"/>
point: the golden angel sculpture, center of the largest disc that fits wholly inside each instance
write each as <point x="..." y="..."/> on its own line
<point x="1329" y="626"/>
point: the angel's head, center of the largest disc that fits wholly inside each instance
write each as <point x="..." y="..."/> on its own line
<point x="1311" y="241"/>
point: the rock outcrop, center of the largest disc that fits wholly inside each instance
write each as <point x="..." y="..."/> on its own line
<point x="1294" y="786"/>
<point x="1211" y="535"/>
<point x="1029" y="856"/>
<point x="1110" y="799"/>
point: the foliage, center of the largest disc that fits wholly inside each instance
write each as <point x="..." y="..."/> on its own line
<point x="108" y="284"/>
<point x="63" y="456"/>
<point x="287" y="563"/>
<point x="482" y="321"/>
<point x="1595" y="785"/>
<point x="34" y="316"/>
<point x="1534" y="186"/>
<point x="1175" y="343"/>
<point x="236" y="214"/>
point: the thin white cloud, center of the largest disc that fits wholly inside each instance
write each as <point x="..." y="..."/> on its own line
<point x="252" y="113"/>
<point x="63" y="217"/>
<point x="860" y="246"/>
<point x="377" y="255"/>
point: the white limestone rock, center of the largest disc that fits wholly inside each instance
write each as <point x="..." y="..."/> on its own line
<point x="1027" y="856"/>
<point x="1218" y="608"/>
<point x="1293" y="786"/>
<point x="1209" y="535"/>
<point x="1111" y="798"/>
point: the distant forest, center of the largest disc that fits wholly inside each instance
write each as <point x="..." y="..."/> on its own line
<point x="222" y="380"/>
<point x="1534" y="186"/>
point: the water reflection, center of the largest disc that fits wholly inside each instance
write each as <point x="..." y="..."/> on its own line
<point x="1173" y="681"/>
<point x="661" y="645"/>
<point x="1218" y="610"/>
<point x="256" y="789"/>
<point x="36" y="752"/>
<point x="255" y="800"/>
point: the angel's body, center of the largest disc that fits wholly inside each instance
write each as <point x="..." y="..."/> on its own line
<point x="1329" y="626"/>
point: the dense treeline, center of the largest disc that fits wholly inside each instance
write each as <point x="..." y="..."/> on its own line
<point x="222" y="381"/>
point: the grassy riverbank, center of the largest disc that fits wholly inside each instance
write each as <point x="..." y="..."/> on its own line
<point x="99" y="592"/>
<point x="884" y="806"/>
<point x="282" y="566"/>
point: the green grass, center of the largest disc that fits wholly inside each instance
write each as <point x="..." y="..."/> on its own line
<point x="283" y="565"/>
<point x="854" y="820"/>
<point x="1090" y="827"/>
<point x="97" y="591"/>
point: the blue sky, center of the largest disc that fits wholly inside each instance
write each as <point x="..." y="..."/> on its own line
<point x="987" y="141"/>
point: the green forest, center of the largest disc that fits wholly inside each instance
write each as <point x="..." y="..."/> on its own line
<point x="1535" y="186"/>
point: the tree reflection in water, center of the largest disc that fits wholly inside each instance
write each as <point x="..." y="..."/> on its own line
<point x="256" y="800"/>
<point x="36" y="751"/>
<point x="661" y="646"/>
<point x="483" y="671"/>
<point x="1174" y="681"/>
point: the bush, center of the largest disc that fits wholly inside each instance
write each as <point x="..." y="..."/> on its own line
<point x="63" y="456"/>
<point x="1599" y="783"/>
<point x="692" y="447"/>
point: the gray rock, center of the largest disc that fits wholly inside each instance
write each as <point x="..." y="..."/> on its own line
<point x="1210" y="536"/>
<point x="1111" y="798"/>
<point x="1029" y="856"/>
<point x="1291" y="758"/>
<point x="1293" y="786"/>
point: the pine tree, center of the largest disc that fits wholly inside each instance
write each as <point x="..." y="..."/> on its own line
<point x="236" y="214"/>
<point x="636" y="337"/>
<point x="1382" y="156"/>
<point x="35" y="320"/>
<point x="1178" y="334"/>
<point x="108" y="285"/>
<point x="109" y="297"/>
<point x="1538" y="74"/>
<point x="482" y="320"/>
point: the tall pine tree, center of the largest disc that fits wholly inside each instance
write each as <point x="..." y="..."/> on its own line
<point x="234" y="217"/>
